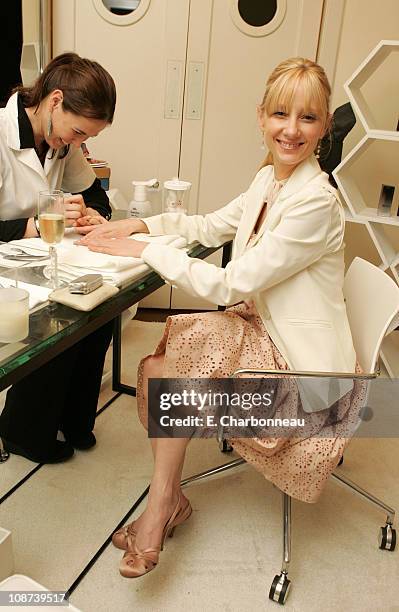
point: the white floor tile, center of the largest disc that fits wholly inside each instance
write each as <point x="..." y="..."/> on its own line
<point x="225" y="557"/>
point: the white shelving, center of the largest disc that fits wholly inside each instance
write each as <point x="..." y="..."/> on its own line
<point x="389" y="354"/>
<point x="374" y="161"/>
<point x="368" y="83"/>
<point x="373" y="91"/>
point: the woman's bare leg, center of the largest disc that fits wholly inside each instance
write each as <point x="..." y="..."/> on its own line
<point x="168" y="464"/>
<point x="164" y="491"/>
<point x="153" y="368"/>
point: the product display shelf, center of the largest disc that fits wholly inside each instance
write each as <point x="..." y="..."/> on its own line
<point x="386" y="243"/>
<point x="372" y="163"/>
<point x="395" y="272"/>
<point x="377" y="72"/>
<point x="389" y="354"/>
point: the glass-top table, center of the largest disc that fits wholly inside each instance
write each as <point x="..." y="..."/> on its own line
<point x="54" y="328"/>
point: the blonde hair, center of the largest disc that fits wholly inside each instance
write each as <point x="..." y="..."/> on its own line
<point x="282" y="83"/>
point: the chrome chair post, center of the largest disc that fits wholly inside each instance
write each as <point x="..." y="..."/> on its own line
<point x="286" y="532"/>
<point x="281" y="586"/>
<point x="217" y="470"/>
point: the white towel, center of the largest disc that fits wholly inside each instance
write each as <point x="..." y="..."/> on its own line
<point x="6" y="249"/>
<point x="74" y="260"/>
<point x="67" y="273"/>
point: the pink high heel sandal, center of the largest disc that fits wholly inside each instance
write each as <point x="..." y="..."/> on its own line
<point x="136" y="562"/>
<point x="125" y="536"/>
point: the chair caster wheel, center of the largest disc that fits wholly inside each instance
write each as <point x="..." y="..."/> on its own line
<point x="225" y="447"/>
<point x="280" y="588"/>
<point x="387" y="538"/>
<point x="4" y="455"/>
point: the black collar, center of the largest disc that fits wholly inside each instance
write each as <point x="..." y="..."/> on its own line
<point x="26" y="137"/>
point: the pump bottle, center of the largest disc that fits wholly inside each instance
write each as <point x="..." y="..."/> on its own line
<point x="140" y="206"/>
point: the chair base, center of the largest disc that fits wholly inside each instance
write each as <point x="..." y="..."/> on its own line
<point x="281" y="585"/>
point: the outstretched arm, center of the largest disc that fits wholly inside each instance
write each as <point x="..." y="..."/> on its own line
<point x="300" y="239"/>
<point x="211" y="230"/>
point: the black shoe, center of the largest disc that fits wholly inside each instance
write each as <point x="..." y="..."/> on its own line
<point x="81" y="441"/>
<point x="61" y="451"/>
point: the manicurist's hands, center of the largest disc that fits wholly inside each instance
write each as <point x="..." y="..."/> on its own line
<point x="112" y="229"/>
<point x="78" y="214"/>
<point x="124" y="247"/>
<point x="91" y="220"/>
<point x="75" y="208"/>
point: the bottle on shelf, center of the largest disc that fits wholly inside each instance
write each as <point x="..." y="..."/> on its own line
<point x="140" y="206"/>
<point x="385" y="202"/>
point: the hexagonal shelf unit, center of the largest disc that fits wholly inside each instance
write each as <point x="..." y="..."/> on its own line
<point x="373" y="90"/>
<point x="372" y="163"/>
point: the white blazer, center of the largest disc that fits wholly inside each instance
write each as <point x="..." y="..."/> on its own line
<point x="22" y="175"/>
<point x="294" y="271"/>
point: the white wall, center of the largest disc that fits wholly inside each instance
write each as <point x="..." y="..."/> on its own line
<point x="30" y="20"/>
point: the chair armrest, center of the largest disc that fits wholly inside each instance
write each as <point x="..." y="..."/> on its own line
<point x="355" y="376"/>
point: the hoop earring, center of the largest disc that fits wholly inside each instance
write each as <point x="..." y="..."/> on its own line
<point x="317" y="150"/>
<point x="49" y="126"/>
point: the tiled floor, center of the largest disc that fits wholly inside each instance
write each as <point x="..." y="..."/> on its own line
<point x="225" y="557"/>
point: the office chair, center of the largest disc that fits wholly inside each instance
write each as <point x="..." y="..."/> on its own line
<point x="372" y="302"/>
<point x="4" y="455"/>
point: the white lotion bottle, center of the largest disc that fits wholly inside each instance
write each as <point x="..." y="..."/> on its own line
<point x="140" y="206"/>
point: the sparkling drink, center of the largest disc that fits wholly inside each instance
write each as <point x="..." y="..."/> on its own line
<point x="52" y="227"/>
<point x="51" y="215"/>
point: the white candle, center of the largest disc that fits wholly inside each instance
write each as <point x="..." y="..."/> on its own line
<point x="14" y="314"/>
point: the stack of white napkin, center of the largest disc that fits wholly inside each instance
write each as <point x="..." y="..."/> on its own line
<point x="74" y="260"/>
<point x="6" y="249"/>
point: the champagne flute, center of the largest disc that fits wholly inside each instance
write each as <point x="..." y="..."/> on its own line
<point x="52" y="226"/>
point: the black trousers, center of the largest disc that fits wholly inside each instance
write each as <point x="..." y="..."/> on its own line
<point x="60" y="395"/>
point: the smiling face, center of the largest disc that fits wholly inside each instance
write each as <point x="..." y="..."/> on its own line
<point x="69" y="128"/>
<point x="292" y="124"/>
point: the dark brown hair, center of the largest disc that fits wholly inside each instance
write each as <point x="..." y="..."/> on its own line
<point x="88" y="89"/>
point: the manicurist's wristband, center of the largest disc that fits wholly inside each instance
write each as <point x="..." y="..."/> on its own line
<point x="37" y="224"/>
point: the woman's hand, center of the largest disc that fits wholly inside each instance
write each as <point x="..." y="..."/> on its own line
<point x="90" y="220"/>
<point x="115" y="246"/>
<point x="112" y="229"/>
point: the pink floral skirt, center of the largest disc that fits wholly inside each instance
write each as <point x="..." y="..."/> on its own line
<point x="213" y="345"/>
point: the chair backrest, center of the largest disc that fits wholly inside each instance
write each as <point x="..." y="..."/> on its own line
<point x="372" y="303"/>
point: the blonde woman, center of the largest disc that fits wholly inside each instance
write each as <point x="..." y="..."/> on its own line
<point x="285" y="279"/>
